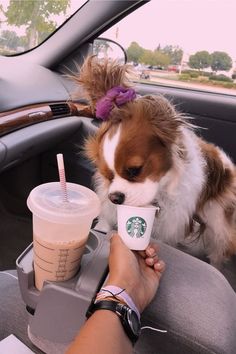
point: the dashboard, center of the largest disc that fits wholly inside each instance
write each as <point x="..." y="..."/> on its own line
<point x="24" y="83"/>
<point x="32" y="94"/>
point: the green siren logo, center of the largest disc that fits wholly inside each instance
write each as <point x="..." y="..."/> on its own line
<point x="136" y="226"/>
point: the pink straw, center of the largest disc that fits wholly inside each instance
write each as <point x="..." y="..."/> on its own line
<point x="62" y="176"/>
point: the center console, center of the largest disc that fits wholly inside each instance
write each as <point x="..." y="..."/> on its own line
<point x="57" y="312"/>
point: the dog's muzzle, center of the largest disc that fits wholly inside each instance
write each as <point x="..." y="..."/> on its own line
<point x="117" y="197"/>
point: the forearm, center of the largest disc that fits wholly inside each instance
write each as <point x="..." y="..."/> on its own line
<point x="101" y="334"/>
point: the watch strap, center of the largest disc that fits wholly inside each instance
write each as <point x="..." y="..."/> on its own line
<point x="123" y="311"/>
<point x="105" y="305"/>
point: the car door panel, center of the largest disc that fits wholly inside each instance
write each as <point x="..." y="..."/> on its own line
<point x="214" y="113"/>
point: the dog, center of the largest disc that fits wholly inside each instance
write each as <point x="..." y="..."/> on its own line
<point x="147" y="153"/>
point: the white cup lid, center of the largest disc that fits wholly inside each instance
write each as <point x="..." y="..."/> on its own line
<point x="46" y="201"/>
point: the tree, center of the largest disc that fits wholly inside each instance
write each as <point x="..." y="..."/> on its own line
<point x="161" y="59"/>
<point x="35" y="15"/>
<point x="221" y="61"/>
<point x="175" y="53"/>
<point x="101" y="47"/>
<point x="147" y="57"/>
<point x="200" y="60"/>
<point x="134" y="52"/>
<point x="155" y="58"/>
<point x="9" y="39"/>
<point x="23" y="41"/>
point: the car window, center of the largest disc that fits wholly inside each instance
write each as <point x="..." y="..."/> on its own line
<point x="182" y="43"/>
<point x="24" y="24"/>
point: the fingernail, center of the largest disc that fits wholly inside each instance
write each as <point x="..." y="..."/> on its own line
<point x="150" y="251"/>
<point x="151" y="261"/>
<point x="159" y="265"/>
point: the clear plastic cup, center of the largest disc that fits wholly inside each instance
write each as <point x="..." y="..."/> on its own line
<point x="60" y="229"/>
<point x="135" y="225"/>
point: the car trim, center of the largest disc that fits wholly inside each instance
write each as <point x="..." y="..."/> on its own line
<point x="28" y="115"/>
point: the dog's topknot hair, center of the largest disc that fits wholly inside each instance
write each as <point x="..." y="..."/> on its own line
<point x="98" y="76"/>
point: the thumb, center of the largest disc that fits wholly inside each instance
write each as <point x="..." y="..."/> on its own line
<point x="116" y="241"/>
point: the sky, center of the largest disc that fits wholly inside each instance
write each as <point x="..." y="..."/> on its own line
<point x="192" y="24"/>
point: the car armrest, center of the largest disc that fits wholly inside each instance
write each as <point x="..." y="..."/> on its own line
<point x="195" y="304"/>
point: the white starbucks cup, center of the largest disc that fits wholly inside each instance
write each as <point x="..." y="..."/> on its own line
<point x="60" y="229"/>
<point x="135" y="225"/>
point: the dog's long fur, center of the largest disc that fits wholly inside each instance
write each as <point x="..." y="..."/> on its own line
<point x="193" y="182"/>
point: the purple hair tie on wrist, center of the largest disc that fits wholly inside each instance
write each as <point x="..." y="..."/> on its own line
<point x="121" y="293"/>
<point x="118" y="95"/>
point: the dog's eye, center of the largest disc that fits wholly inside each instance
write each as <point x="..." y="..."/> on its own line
<point x="133" y="171"/>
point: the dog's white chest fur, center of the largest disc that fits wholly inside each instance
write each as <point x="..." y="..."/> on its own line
<point x="179" y="193"/>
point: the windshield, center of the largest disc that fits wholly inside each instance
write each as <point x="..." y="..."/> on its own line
<point x="181" y="43"/>
<point x="24" y="24"/>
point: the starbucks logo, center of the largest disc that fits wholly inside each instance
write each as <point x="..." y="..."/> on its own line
<point x="136" y="226"/>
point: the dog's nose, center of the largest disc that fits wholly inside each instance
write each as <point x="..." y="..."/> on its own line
<point x="117" y="197"/>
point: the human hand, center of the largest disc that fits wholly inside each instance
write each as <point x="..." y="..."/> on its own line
<point x="138" y="272"/>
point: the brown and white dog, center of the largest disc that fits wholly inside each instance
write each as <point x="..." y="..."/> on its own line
<point x="147" y="153"/>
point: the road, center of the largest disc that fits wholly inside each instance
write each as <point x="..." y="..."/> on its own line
<point x="191" y="85"/>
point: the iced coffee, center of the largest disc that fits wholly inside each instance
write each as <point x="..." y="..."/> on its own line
<point x="60" y="229"/>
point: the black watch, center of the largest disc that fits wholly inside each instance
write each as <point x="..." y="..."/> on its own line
<point x="128" y="317"/>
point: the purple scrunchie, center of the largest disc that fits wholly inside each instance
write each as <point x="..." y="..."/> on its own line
<point x="118" y="95"/>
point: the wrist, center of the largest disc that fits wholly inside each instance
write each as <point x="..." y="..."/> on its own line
<point x="103" y="296"/>
<point x="117" y="294"/>
<point x="130" y="289"/>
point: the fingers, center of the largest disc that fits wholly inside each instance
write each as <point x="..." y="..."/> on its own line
<point x="152" y="260"/>
<point x="159" y="268"/>
<point x="149" y="255"/>
<point x="150" y="251"/>
<point x="156" y="263"/>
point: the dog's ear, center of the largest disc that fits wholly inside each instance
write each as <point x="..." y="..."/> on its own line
<point x="92" y="145"/>
<point x="91" y="148"/>
<point x="97" y="76"/>
<point x="165" y="119"/>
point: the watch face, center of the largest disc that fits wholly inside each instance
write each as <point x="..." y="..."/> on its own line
<point x="134" y="322"/>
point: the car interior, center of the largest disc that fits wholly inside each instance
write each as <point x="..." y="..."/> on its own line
<point x="43" y="113"/>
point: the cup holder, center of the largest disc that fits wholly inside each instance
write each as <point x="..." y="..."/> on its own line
<point x="65" y="301"/>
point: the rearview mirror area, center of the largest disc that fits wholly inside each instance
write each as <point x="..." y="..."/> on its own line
<point x="106" y="48"/>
